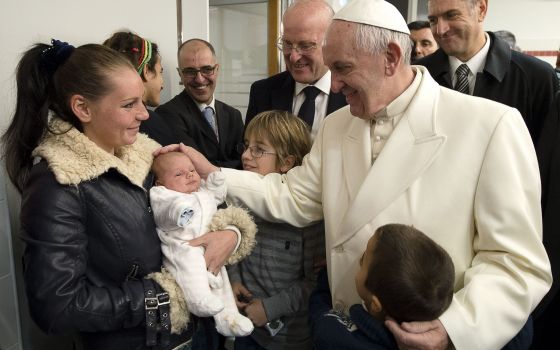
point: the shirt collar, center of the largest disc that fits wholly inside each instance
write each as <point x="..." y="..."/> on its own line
<point x="400" y="104"/>
<point x="323" y="84"/>
<point x="201" y="106"/>
<point x="476" y="63"/>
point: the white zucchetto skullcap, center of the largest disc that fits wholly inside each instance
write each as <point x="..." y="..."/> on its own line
<point x="377" y="13"/>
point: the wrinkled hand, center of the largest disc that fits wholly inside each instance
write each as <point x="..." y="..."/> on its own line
<point x="202" y="165"/>
<point x="218" y="247"/>
<point x="428" y="335"/>
<point x="242" y="295"/>
<point x="255" y="312"/>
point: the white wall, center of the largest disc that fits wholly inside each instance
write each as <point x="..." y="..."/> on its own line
<point x="534" y="23"/>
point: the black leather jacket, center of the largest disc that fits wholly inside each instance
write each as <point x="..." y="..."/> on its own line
<point x="88" y="245"/>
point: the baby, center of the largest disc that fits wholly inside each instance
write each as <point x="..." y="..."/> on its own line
<point x="184" y="207"/>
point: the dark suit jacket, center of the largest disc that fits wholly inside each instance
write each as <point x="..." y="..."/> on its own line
<point x="548" y="153"/>
<point x="159" y="129"/>
<point x="182" y="113"/>
<point x="277" y="92"/>
<point x="510" y="77"/>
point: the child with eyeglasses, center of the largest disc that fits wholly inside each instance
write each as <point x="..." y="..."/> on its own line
<point x="272" y="285"/>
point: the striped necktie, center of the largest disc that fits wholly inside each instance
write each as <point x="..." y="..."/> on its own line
<point x="462" y="79"/>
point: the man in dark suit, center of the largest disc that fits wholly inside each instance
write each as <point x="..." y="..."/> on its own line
<point x="498" y="73"/>
<point x="305" y="23"/>
<point x="548" y="153"/>
<point x="495" y="71"/>
<point x="199" y="120"/>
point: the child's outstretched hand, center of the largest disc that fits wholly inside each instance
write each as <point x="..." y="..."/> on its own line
<point x="255" y="312"/>
<point x="242" y="295"/>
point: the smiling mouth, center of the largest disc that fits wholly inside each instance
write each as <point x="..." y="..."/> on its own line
<point x="300" y="65"/>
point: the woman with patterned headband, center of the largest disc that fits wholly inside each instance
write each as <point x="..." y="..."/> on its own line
<point x="145" y="57"/>
<point x="92" y="258"/>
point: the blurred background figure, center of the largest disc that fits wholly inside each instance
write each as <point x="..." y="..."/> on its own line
<point x="144" y="56"/>
<point x="424" y="42"/>
<point x="509" y="38"/>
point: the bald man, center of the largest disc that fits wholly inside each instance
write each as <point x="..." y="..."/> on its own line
<point x="199" y="120"/>
<point x="305" y="23"/>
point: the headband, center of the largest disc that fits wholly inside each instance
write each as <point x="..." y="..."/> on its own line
<point x="145" y="55"/>
<point x="55" y="55"/>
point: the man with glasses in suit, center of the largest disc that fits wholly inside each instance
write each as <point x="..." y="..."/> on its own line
<point x="199" y="120"/>
<point x="305" y="87"/>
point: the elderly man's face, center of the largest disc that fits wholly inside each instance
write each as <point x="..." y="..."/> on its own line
<point x="359" y="75"/>
<point x="424" y="42"/>
<point x="457" y="25"/>
<point x="303" y="30"/>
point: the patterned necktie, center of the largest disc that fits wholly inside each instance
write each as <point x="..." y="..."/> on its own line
<point x="208" y="114"/>
<point x="462" y="79"/>
<point x="307" y="109"/>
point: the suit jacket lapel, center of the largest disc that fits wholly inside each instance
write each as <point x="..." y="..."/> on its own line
<point x="409" y="151"/>
<point x="356" y="155"/>
<point x="335" y="102"/>
<point x="198" y="118"/>
<point x="439" y="68"/>
<point x="282" y="97"/>
<point x="223" y="123"/>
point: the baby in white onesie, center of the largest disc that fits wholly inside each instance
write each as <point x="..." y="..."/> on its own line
<point x="183" y="206"/>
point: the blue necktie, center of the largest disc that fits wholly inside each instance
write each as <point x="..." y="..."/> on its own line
<point x="208" y="114"/>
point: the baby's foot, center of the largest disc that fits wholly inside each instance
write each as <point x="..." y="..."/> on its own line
<point x="233" y="325"/>
<point x="208" y="305"/>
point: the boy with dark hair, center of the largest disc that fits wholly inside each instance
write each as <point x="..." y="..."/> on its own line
<point x="403" y="275"/>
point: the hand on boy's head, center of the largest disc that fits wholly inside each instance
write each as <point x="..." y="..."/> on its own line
<point x="417" y="335"/>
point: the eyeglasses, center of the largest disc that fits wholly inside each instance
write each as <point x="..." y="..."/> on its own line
<point x="192" y="72"/>
<point x="256" y="151"/>
<point x="303" y="48"/>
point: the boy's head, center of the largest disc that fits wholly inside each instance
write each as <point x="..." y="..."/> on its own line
<point x="405" y="275"/>
<point x="275" y="141"/>
<point x="175" y="171"/>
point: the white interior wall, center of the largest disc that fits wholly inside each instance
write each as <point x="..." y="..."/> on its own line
<point x="534" y="23"/>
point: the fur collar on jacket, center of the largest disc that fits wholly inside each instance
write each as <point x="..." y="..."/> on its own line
<point x="74" y="158"/>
